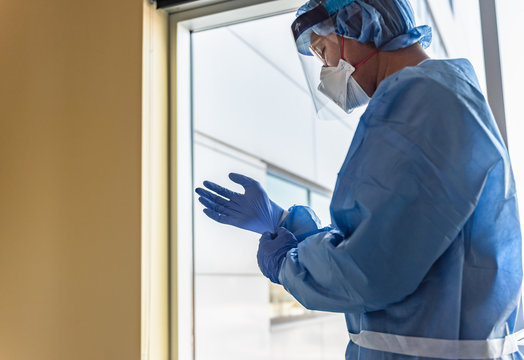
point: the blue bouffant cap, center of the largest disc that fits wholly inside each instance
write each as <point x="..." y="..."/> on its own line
<point x="388" y="24"/>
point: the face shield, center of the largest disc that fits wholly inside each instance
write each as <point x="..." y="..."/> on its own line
<point x="320" y="51"/>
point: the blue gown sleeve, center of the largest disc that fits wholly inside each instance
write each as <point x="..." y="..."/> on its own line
<point x="302" y="222"/>
<point x="413" y="176"/>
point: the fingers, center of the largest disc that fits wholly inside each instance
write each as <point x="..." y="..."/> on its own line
<point x="221" y="218"/>
<point x="280" y="231"/>
<point x="210" y="204"/>
<point x="228" y="194"/>
<point x="268" y="235"/>
<point x="213" y="197"/>
<point x="242" y="179"/>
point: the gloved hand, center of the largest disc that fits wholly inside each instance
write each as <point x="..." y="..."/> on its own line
<point x="272" y="250"/>
<point x="252" y="210"/>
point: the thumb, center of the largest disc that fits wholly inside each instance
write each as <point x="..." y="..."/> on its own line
<point x="282" y="231"/>
<point x="242" y="179"/>
<point x="268" y="235"/>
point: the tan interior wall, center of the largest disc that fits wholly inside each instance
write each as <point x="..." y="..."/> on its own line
<point x="70" y="127"/>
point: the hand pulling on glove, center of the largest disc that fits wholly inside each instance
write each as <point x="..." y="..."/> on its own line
<point x="272" y="250"/>
<point x="252" y="210"/>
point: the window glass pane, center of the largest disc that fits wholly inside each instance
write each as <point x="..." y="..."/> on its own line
<point x="285" y="193"/>
<point x="243" y="120"/>
<point x="267" y="113"/>
<point x="423" y="17"/>
<point x="320" y="205"/>
<point x="456" y="31"/>
<point x="509" y="14"/>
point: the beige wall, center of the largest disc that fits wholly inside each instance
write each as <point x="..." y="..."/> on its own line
<point x="70" y="127"/>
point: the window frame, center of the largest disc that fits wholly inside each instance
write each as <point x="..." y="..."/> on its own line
<point x="181" y="252"/>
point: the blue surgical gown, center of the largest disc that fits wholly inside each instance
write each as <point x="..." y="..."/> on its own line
<point x="425" y="237"/>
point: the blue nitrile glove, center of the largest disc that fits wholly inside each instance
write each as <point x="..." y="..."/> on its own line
<point x="303" y="222"/>
<point x="252" y="210"/>
<point x="272" y="250"/>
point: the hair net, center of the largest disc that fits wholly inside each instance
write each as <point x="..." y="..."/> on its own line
<point x="389" y="24"/>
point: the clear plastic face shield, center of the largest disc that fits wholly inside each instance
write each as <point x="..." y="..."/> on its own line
<point x="320" y="51"/>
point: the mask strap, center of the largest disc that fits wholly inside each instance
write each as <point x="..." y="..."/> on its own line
<point x="341" y="47"/>
<point x="366" y="59"/>
<point x="360" y="63"/>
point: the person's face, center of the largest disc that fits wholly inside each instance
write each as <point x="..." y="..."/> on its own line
<point x="326" y="48"/>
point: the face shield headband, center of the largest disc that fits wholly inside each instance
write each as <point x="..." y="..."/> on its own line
<point x="303" y="25"/>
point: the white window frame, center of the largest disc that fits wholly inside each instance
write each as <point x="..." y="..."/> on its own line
<point x="181" y="25"/>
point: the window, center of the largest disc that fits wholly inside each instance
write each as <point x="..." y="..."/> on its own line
<point x="286" y="193"/>
<point x="253" y="122"/>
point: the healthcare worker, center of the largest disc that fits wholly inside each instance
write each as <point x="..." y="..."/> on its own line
<point x="424" y="252"/>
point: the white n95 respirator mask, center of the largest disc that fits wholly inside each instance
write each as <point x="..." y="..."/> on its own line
<point x="338" y="84"/>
